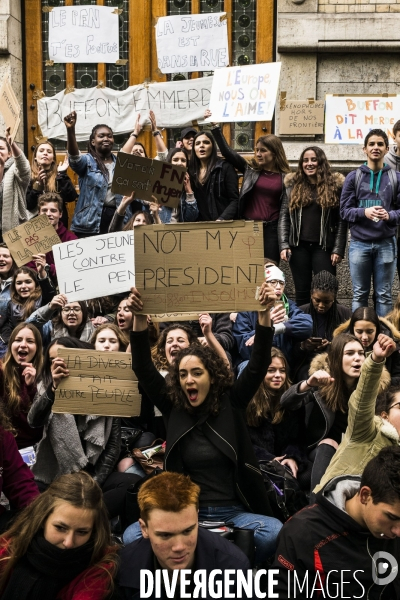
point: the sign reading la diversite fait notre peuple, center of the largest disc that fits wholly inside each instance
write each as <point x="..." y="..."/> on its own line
<point x="99" y="383"/>
<point x="148" y="177"/>
<point x="184" y="267"/>
<point x="36" y="236"/>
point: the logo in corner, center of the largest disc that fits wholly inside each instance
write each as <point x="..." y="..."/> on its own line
<point x="384" y="568"/>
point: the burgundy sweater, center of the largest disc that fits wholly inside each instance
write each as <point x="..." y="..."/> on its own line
<point x="65" y="235"/>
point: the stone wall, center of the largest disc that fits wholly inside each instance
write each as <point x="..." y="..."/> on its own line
<point x="358" y="6"/>
<point x="11" y="53"/>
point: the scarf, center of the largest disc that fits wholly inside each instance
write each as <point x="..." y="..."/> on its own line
<point x="69" y="445"/>
<point x="45" y="569"/>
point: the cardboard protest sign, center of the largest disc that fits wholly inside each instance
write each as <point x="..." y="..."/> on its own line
<point x="99" y="383"/>
<point x="148" y="177"/>
<point x="174" y="317"/>
<point x="83" y="34"/>
<point x="176" y="104"/>
<point x="10" y="108"/>
<point x="36" y="236"/>
<point x="244" y="93"/>
<point x="95" y="266"/>
<point x="301" y="117"/>
<point x="187" y="267"/>
<point x="348" y="118"/>
<point x="192" y="42"/>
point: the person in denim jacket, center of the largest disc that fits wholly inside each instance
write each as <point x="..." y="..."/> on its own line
<point x="96" y="204"/>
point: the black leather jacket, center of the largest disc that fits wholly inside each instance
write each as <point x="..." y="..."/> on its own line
<point x="250" y="175"/>
<point x="333" y="232"/>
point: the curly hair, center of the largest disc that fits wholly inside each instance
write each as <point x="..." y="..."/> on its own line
<point x="328" y="190"/>
<point x="265" y="402"/>
<point x="158" y="350"/>
<point x="220" y="376"/>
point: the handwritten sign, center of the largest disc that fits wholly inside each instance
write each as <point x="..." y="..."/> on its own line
<point x="192" y="42"/>
<point x="244" y="93"/>
<point x="10" y="108"/>
<point x="348" y="119"/>
<point x="174" y="317"/>
<point x="301" y="117"/>
<point x="83" y="34"/>
<point x="36" y="236"/>
<point x="185" y="267"/>
<point x="176" y="104"/>
<point x="148" y="178"/>
<point x="99" y="383"/>
<point x="95" y="266"/>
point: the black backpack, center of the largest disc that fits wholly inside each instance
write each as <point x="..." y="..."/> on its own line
<point x="284" y="493"/>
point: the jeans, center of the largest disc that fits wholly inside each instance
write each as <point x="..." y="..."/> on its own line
<point x="377" y="259"/>
<point x="308" y="258"/>
<point x="265" y="529"/>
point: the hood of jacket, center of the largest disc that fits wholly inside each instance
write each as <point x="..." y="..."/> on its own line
<point x="320" y="361"/>
<point x="392" y="329"/>
<point x="291" y="177"/>
<point x="393" y="159"/>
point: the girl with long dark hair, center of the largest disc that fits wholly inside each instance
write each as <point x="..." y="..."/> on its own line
<point x="262" y="190"/>
<point x="311" y="233"/>
<point x="60" y="546"/>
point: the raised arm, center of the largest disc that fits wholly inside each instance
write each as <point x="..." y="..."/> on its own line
<point x="131" y="141"/>
<point x="72" y="145"/>
<point x="227" y="152"/>
<point x="205" y="321"/>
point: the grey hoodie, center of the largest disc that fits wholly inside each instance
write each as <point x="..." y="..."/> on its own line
<point x="392" y="159"/>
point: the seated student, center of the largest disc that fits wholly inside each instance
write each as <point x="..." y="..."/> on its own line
<point x="28" y="291"/>
<point x="16" y="480"/>
<point x="110" y="338"/>
<point x="142" y="214"/>
<point x="61" y="318"/>
<point x="278" y="434"/>
<point x="336" y="542"/>
<point x="366" y="434"/>
<point x="60" y="546"/>
<point x="366" y="326"/>
<point x="325" y="394"/>
<point x="171" y="537"/>
<point x="187" y="210"/>
<point x="326" y="315"/>
<point x="19" y="372"/>
<point x="51" y="204"/>
<point x="291" y="325"/>
<point x="221" y="328"/>
<point x="204" y="411"/>
<point x="102" y="310"/>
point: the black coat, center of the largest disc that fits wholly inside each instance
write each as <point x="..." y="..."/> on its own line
<point x="212" y="552"/>
<point x="65" y="188"/>
<point x="250" y="175"/>
<point x="223" y="191"/>
<point x="228" y="430"/>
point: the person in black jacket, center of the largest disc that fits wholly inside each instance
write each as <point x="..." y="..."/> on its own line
<point x="214" y="181"/>
<point x="262" y="190"/>
<point x="347" y="544"/>
<point x="47" y="177"/>
<point x="173" y="540"/>
<point x="207" y="437"/>
<point x="311" y="233"/>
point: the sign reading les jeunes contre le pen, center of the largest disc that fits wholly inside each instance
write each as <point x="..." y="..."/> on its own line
<point x="148" y="177"/>
<point x="99" y="383"/>
<point x="186" y="266"/>
<point x="348" y="119"/>
<point x="244" y="93"/>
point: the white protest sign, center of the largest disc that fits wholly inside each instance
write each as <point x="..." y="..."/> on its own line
<point x="175" y="103"/>
<point x="245" y="93"/>
<point x="83" y="34"/>
<point x="95" y="266"/>
<point x="349" y="118"/>
<point x="192" y="42"/>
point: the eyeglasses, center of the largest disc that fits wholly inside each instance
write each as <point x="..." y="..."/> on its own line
<point x="395" y="404"/>
<point x="68" y="309"/>
<point x="276" y="283"/>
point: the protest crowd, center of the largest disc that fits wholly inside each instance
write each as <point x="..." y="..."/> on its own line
<point x="278" y="427"/>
